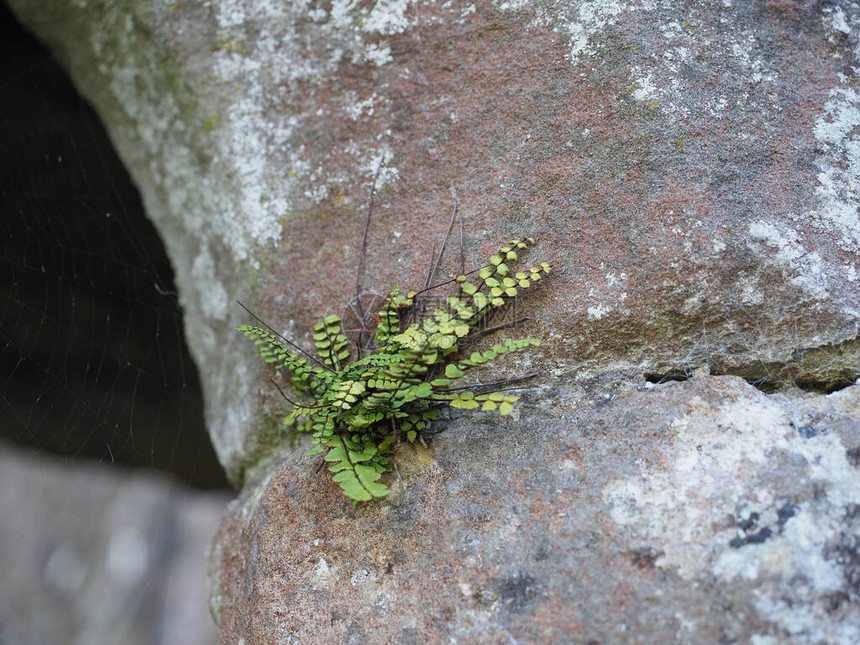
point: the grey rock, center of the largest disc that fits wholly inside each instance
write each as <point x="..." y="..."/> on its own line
<point x="685" y="512"/>
<point x="90" y="555"/>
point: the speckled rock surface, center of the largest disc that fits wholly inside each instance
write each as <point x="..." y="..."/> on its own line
<point x="690" y="168"/>
<point x="694" y="512"/>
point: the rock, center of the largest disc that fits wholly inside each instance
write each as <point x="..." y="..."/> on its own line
<point x="93" y="555"/>
<point x="701" y="511"/>
<point x="691" y="171"/>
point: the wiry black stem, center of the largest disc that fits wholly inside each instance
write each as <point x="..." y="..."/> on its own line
<point x="362" y="252"/>
<point x="286" y="340"/>
<point x="496" y="384"/>
<point x="495" y="328"/>
<point x="286" y="398"/>
<point x="293" y="403"/>
<point x="446" y="282"/>
<point x="435" y="269"/>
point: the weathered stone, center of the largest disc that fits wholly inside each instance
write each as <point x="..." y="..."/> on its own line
<point x="702" y="511"/>
<point x="691" y="170"/>
<point x="89" y="554"/>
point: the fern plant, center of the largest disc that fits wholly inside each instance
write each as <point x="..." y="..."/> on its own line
<point x="357" y="410"/>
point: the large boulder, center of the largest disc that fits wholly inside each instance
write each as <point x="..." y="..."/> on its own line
<point x="694" y="512"/>
<point x="690" y="169"/>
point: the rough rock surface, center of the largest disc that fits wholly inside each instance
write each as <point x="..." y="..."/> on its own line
<point x="690" y="168"/>
<point x="694" y="512"/>
<point x="89" y="555"/>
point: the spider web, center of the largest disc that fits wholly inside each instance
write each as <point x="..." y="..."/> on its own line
<point x="93" y="362"/>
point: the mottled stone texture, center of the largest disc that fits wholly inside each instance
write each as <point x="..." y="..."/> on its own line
<point x="694" y="512"/>
<point x="691" y="169"/>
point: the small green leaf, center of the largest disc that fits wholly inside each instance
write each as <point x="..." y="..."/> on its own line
<point x="505" y="408"/>
<point x="495" y="260"/>
<point x="339" y="466"/>
<point x="441" y="382"/>
<point x="468" y="288"/>
<point x="480" y="299"/>
<point x="336" y="454"/>
<point x="422" y="391"/>
<point x="446" y="342"/>
<point x="453" y="372"/>
<point x="489" y="406"/>
<point x="351" y="487"/>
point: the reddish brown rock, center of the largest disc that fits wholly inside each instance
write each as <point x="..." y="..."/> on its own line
<point x="689" y="168"/>
<point x="702" y="511"/>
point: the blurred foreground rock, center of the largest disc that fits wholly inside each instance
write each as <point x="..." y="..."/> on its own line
<point x="94" y="555"/>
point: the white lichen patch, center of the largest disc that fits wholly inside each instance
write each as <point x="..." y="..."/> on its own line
<point x="657" y="73"/>
<point x="744" y="497"/>
<point x="644" y="88"/>
<point x="322" y="568"/>
<point x="781" y="244"/>
<point x="837" y="130"/>
<point x="844" y="19"/>
<point x="581" y="23"/>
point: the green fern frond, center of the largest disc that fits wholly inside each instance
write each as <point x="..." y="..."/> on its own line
<point x="357" y="411"/>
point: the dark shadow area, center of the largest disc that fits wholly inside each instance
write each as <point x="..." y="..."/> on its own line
<point x="659" y="379"/>
<point x="93" y="361"/>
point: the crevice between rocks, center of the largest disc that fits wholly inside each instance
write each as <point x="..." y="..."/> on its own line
<point x="821" y="370"/>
